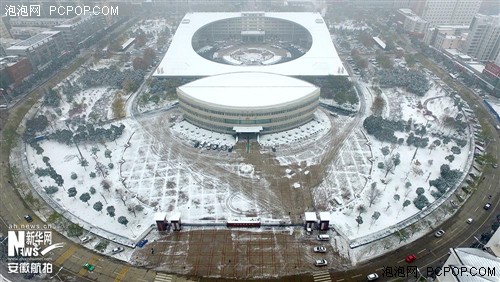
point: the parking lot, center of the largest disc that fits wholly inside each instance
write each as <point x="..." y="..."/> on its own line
<point x="237" y="253"/>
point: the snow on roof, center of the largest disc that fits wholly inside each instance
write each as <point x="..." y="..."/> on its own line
<point x="176" y="216"/>
<point x="379" y="42"/>
<point x="476" y="66"/>
<point x="494" y="243"/>
<point x="127" y="43"/>
<point x="310" y="216"/>
<point x="247" y="89"/>
<point x="160" y="216"/>
<point x="324" y="216"/>
<point x="182" y="60"/>
<point x="247" y="129"/>
<point x="33" y="41"/>
<point x="470" y="257"/>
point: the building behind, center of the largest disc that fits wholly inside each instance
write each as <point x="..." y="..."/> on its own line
<point x="248" y="102"/>
<point x="78" y="30"/>
<point x="483" y="41"/>
<point x="39" y="49"/>
<point x="450" y="12"/>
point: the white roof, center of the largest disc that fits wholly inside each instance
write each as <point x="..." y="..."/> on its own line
<point x="379" y="42"/>
<point x="310" y="216"/>
<point x="176" y="216"/>
<point x="247" y="89"/>
<point x="160" y="216"/>
<point x="323" y="216"/>
<point x="494" y="243"/>
<point x="128" y="42"/>
<point x="468" y="260"/>
<point x="181" y="60"/>
<point x="33" y="41"/>
<point x="247" y="129"/>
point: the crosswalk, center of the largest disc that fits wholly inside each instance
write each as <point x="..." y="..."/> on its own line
<point x="322" y="276"/>
<point x="163" y="277"/>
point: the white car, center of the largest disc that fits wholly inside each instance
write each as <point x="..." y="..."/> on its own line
<point x="373" y="276"/>
<point x="439" y="233"/>
<point x="117" y="250"/>
<point x="319" y="249"/>
<point x="469" y="220"/>
<point x="86" y="239"/>
<point x="320" y="262"/>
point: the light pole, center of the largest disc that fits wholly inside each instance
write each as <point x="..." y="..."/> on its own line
<point x="420" y="275"/>
<point x="479" y="242"/>
<point x="3" y="94"/>
<point x="57" y="274"/>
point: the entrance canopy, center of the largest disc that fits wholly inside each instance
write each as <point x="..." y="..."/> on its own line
<point x="247" y="129"/>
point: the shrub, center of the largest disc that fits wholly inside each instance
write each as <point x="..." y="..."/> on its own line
<point x="74" y="230"/>
<point x="101" y="246"/>
<point x="455" y="150"/>
<point x="421" y="201"/>
<point x="51" y="189"/>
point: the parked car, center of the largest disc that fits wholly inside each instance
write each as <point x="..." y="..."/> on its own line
<point x="117" y="250"/>
<point x="410" y="258"/>
<point x="323" y="237"/>
<point x="28" y="218"/>
<point x="487" y="206"/>
<point x="85" y="239"/>
<point x="319" y="249"/>
<point x="373" y="276"/>
<point x="142" y="243"/>
<point x="439" y="233"/>
<point x="89" y="267"/>
<point x="469" y="220"/>
<point x="320" y="262"/>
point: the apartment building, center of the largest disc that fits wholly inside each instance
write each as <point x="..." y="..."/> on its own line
<point x="483" y="41"/>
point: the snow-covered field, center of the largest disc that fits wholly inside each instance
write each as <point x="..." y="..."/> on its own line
<point x="153" y="167"/>
<point x="65" y="160"/>
<point x="354" y="173"/>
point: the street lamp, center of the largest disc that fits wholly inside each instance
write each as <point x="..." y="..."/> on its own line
<point x="57" y="274"/>
<point x="479" y="242"/>
<point x="3" y="94"/>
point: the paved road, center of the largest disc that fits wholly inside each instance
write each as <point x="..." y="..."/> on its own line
<point x="431" y="251"/>
<point x="72" y="256"/>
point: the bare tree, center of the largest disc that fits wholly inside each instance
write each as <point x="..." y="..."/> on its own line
<point x="123" y="194"/>
<point x="388" y="166"/>
<point x="361" y="209"/>
<point x="131" y="208"/>
<point x="375" y="217"/>
<point x="374" y="194"/>
<point x="101" y="168"/>
<point x="378" y="106"/>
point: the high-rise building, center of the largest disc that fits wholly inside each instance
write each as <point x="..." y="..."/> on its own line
<point x="39" y="49"/>
<point x="76" y="31"/>
<point x="411" y="22"/>
<point x="446" y="36"/>
<point x="4" y="31"/>
<point x="449" y="12"/>
<point x="483" y="41"/>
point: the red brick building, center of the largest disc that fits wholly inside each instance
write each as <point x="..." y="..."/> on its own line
<point x="19" y="71"/>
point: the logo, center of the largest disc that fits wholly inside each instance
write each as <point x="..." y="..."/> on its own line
<point x="27" y="250"/>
